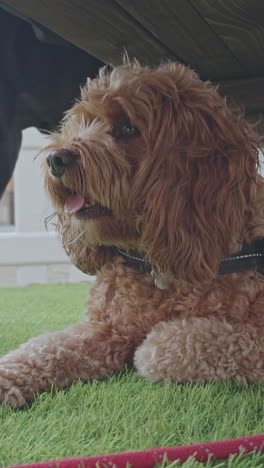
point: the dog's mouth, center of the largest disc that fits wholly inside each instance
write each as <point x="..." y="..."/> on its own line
<point x="83" y="207"/>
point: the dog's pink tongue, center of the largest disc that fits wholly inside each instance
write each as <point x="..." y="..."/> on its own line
<point x="73" y="204"/>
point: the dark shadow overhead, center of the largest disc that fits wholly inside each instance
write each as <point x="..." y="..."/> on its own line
<point x="222" y="40"/>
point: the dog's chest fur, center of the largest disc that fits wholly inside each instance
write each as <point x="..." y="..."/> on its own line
<point x="129" y="301"/>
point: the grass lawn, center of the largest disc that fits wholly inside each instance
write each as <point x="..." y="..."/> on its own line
<point x="121" y="413"/>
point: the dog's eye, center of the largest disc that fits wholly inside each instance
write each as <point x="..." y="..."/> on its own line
<point x="128" y="130"/>
<point x="125" y="130"/>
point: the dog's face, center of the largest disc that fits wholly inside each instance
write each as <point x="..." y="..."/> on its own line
<point x="153" y="160"/>
<point x="95" y="159"/>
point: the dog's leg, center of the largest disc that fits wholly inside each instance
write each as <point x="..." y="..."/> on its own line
<point x="83" y="351"/>
<point x="200" y="349"/>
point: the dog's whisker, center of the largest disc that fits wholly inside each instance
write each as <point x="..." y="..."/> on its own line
<point x="73" y="241"/>
<point x="48" y="219"/>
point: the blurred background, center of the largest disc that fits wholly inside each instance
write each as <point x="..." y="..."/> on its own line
<point x="28" y="252"/>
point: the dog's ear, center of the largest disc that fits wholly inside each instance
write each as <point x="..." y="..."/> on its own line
<point x="87" y="258"/>
<point x="197" y="183"/>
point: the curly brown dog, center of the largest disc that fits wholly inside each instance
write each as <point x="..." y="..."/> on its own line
<point x="155" y="185"/>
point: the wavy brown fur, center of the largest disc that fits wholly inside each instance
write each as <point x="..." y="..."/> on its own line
<point x="185" y="191"/>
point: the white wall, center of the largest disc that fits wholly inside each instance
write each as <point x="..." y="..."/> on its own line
<point x="31" y="202"/>
<point x="30" y="254"/>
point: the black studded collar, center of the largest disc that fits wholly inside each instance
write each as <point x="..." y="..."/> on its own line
<point x="250" y="257"/>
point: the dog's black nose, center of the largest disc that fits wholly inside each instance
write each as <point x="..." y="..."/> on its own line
<point x="59" y="160"/>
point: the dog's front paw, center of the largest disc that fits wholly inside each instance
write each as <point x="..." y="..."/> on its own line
<point x="10" y="392"/>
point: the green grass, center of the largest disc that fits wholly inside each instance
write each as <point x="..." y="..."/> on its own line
<point x="121" y="413"/>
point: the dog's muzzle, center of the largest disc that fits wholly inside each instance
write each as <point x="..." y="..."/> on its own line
<point x="60" y="160"/>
